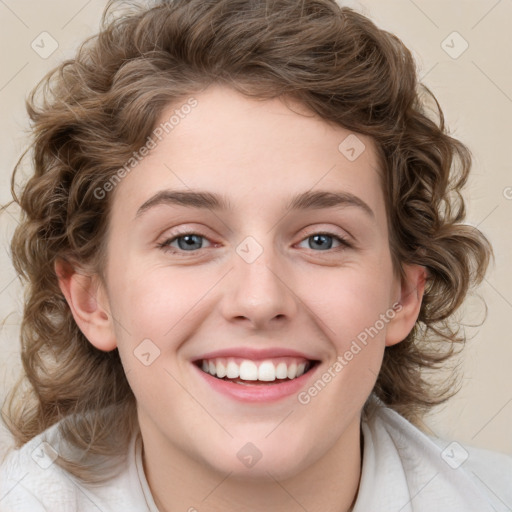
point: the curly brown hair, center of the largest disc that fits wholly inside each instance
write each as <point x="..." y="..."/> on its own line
<point x="101" y="106"/>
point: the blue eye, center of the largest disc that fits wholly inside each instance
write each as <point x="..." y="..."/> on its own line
<point x="187" y="242"/>
<point x="321" y="240"/>
<point x="191" y="242"/>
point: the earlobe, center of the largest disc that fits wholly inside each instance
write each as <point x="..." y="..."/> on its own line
<point x="408" y="307"/>
<point x="88" y="303"/>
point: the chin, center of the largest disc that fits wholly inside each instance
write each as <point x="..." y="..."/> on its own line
<point x="249" y="463"/>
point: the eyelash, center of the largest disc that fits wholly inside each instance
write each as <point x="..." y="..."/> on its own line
<point x="165" y="245"/>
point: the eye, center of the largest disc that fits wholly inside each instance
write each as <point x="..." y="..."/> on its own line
<point x="323" y="241"/>
<point x="190" y="241"/>
<point x="187" y="242"/>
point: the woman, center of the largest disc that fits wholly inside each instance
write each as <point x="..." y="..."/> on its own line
<point x="277" y="364"/>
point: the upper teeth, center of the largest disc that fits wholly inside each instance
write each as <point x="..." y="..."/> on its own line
<point x="246" y="369"/>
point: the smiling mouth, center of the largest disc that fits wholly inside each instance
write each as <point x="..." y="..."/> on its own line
<point x="249" y="373"/>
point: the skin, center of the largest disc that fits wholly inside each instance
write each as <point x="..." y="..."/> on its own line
<point x="296" y="294"/>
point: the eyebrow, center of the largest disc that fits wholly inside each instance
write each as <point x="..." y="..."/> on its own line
<point x="310" y="200"/>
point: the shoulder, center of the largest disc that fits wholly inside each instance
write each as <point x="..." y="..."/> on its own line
<point x="32" y="481"/>
<point x="490" y="472"/>
<point x="467" y="477"/>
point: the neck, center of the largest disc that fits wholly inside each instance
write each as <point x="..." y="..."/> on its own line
<point x="180" y="482"/>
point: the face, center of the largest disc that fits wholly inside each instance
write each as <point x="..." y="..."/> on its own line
<point x="270" y="277"/>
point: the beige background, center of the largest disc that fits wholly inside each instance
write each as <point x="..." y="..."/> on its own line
<point x="475" y="89"/>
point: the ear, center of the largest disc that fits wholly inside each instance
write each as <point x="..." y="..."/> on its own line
<point x="88" y="302"/>
<point x="408" y="304"/>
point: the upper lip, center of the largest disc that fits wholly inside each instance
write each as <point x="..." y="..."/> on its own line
<point x="255" y="353"/>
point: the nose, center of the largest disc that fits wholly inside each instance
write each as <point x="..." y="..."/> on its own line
<point x="260" y="293"/>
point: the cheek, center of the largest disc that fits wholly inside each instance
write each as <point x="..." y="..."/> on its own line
<point x="154" y="313"/>
<point x="159" y="303"/>
<point x="353" y="300"/>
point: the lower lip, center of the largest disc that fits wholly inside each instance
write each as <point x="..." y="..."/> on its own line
<point x="257" y="392"/>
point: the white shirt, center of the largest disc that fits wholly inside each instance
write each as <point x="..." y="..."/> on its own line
<point x="403" y="470"/>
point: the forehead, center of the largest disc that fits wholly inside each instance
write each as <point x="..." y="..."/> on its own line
<point x="253" y="152"/>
